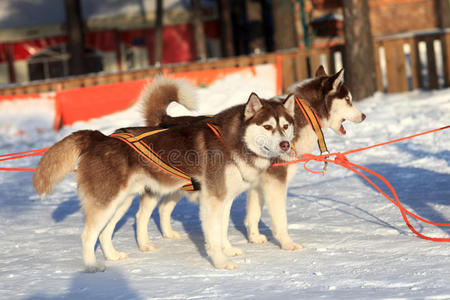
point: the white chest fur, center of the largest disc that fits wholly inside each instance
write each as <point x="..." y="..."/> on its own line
<point x="250" y="173"/>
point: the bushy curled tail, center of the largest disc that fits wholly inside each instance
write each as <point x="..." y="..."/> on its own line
<point x="60" y="160"/>
<point x="158" y="94"/>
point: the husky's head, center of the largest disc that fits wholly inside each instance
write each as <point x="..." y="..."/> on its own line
<point x="269" y="125"/>
<point x="330" y="98"/>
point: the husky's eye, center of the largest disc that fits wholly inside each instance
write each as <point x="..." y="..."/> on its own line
<point x="285" y="126"/>
<point x="267" y="127"/>
<point x="347" y="99"/>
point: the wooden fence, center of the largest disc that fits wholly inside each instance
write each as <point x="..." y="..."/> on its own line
<point x="413" y="61"/>
<point x="403" y="63"/>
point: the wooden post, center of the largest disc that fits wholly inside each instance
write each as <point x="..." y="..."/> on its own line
<point x="418" y="66"/>
<point x="118" y="50"/>
<point x="415" y="62"/>
<point x="314" y="58"/>
<point x="380" y="86"/>
<point x="287" y="69"/>
<point x="300" y="65"/>
<point x="158" y="42"/>
<point x="226" y="28"/>
<point x="431" y="62"/>
<point x="445" y="39"/>
<point x="75" y="35"/>
<point x="199" y="35"/>
<point x="395" y="65"/>
<point x="10" y="59"/>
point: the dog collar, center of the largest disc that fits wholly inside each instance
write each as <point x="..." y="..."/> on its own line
<point x="314" y="122"/>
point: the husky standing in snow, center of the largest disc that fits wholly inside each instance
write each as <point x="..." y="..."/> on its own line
<point x="326" y="95"/>
<point x="109" y="171"/>
<point x="331" y="100"/>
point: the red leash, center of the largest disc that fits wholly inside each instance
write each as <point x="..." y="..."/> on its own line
<point x="341" y="159"/>
<point x="17" y="155"/>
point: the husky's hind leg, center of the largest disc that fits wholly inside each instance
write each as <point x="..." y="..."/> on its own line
<point x="95" y="221"/>
<point x="165" y="208"/>
<point x="106" y="236"/>
<point x="146" y="207"/>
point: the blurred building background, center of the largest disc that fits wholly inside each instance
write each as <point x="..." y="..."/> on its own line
<point x="120" y="35"/>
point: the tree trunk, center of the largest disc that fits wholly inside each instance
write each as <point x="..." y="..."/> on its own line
<point x="359" y="60"/>
<point x="158" y="43"/>
<point x="226" y="28"/>
<point x="10" y="60"/>
<point x="442" y="8"/>
<point x="75" y="35"/>
<point x="255" y="26"/>
<point x="285" y="35"/>
<point x="199" y="35"/>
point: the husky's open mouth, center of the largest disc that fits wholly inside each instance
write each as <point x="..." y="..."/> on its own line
<point x="341" y="128"/>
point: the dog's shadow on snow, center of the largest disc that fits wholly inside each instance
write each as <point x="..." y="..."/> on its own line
<point x="187" y="214"/>
<point x="66" y="209"/>
<point x="359" y="212"/>
<point x="419" y="190"/>
<point x="409" y="148"/>
<point x="422" y="190"/>
<point x="108" y="285"/>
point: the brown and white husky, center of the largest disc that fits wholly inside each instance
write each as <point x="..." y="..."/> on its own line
<point x="328" y="97"/>
<point x="110" y="173"/>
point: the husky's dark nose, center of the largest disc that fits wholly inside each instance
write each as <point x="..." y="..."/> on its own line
<point x="284" y="145"/>
<point x="363" y="117"/>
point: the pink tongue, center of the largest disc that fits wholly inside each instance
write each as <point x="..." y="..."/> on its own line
<point x="342" y="130"/>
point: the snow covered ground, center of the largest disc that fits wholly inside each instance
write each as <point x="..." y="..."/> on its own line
<point x="356" y="243"/>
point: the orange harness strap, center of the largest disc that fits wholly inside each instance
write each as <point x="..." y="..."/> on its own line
<point x="314" y="122"/>
<point x="147" y="152"/>
<point x="136" y="143"/>
<point x="216" y="131"/>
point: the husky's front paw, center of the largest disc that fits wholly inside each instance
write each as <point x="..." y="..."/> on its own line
<point x="172" y="235"/>
<point x="291" y="246"/>
<point x="118" y="256"/>
<point x="226" y="265"/>
<point x="97" y="267"/>
<point x="147" y="247"/>
<point x="257" y="238"/>
<point x="233" y="251"/>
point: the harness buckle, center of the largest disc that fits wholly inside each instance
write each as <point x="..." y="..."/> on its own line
<point x="325" y="163"/>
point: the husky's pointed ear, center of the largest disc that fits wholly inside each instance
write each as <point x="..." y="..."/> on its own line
<point x="289" y="104"/>
<point x="333" y="83"/>
<point x="339" y="80"/>
<point x="321" y="71"/>
<point x="253" y="106"/>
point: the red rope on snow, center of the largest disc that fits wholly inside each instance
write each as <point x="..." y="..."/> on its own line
<point x="342" y="160"/>
<point x="17" y="155"/>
